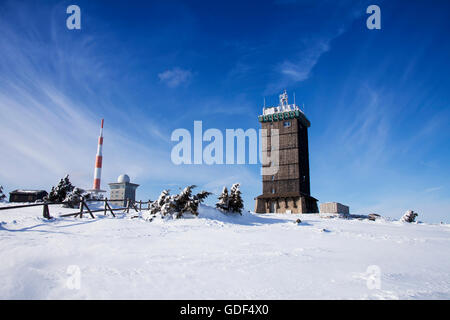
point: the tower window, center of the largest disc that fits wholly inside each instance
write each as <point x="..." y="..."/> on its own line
<point x="287" y="124"/>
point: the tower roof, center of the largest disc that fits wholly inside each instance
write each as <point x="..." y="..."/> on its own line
<point x="284" y="111"/>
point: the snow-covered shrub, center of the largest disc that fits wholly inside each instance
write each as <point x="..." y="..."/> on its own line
<point x="74" y="194"/>
<point x="73" y="198"/>
<point x="156" y="206"/>
<point x="175" y="206"/>
<point x="89" y="195"/>
<point x="2" y="195"/>
<point x="186" y="202"/>
<point x="231" y="202"/>
<point x="60" y="192"/>
<point x="409" y="216"/>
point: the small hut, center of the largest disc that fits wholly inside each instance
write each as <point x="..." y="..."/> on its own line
<point x="27" y="195"/>
<point x="334" y="207"/>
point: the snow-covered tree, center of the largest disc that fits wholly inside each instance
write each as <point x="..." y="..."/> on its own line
<point x="60" y="192"/>
<point x="186" y="202"/>
<point x="181" y="201"/>
<point x="2" y="195"/>
<point x="176" y="205"/>
<point x="231" y="202"/>
<point x="409" y="216"/>
<point x="194" y="202"/>
<point x="236" y="204"/>
<point x="224" y="200"/>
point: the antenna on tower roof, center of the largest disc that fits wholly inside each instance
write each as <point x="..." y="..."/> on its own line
<point x="283" y="99"/>
<point x="294" y="99"/>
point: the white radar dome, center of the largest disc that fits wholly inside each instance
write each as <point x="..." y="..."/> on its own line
<point x="123" y="178"/>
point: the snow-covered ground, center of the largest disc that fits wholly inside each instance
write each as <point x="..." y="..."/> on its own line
<point x="219" y="257"/>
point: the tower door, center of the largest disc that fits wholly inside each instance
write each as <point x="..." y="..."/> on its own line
<point x="272" y="207"/>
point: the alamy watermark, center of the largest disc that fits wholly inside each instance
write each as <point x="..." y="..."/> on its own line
<point x="74" y="20"/>
<point x="73" y="282"/>
<point x="373" y="280"/>
<point x="374" y="20"/>
<point x="229" y="150"/>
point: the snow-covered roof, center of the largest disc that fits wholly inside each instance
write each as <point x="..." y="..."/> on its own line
<point x="283" y="105"/>
<point x="278" y="109"/>
<point x="28" y="191"/>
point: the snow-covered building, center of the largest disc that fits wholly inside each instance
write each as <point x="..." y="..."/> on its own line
<point x="334" y="207"/>
<point x="27" y="195"/>
<point x="288" y="190"/>
<point x="122" y="190"/>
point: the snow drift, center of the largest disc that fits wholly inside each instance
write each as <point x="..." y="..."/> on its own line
<point x="220" y="256"/>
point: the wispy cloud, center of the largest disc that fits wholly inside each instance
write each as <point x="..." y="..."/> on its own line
<point x="428" y="190"/>
<point x="366" y="135"/>
<point x="300" y="69"/>
<point x="297" y="64"/>
<point x="175" y="77"/>
<point x="431" y="126"/>
<point x="51" y="101"/>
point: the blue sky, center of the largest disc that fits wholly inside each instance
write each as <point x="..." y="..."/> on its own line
<point x="378" y="100"/>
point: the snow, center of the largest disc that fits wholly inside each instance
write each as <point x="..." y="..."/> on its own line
<point x="28" y="191"/>
<point x="217" y="256"/>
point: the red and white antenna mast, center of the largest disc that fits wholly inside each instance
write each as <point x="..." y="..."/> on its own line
<point x="98" y="163"/>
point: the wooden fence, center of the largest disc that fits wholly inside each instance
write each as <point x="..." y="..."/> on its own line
<point x="130" y="204"/>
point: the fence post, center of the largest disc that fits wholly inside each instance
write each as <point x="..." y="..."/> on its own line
<point x="46" y="212"/>
<point x="108" y="206"/>
<point x="134" y="206"/>
<point x="128" y="205"/>
<point x="106" y="199"/>
<point x="81" y="207"/>
<point x="89" y="210"/>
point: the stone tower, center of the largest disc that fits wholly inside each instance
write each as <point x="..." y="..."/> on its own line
<point x="122" y="190"/>
<point x="288" y="190"/>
